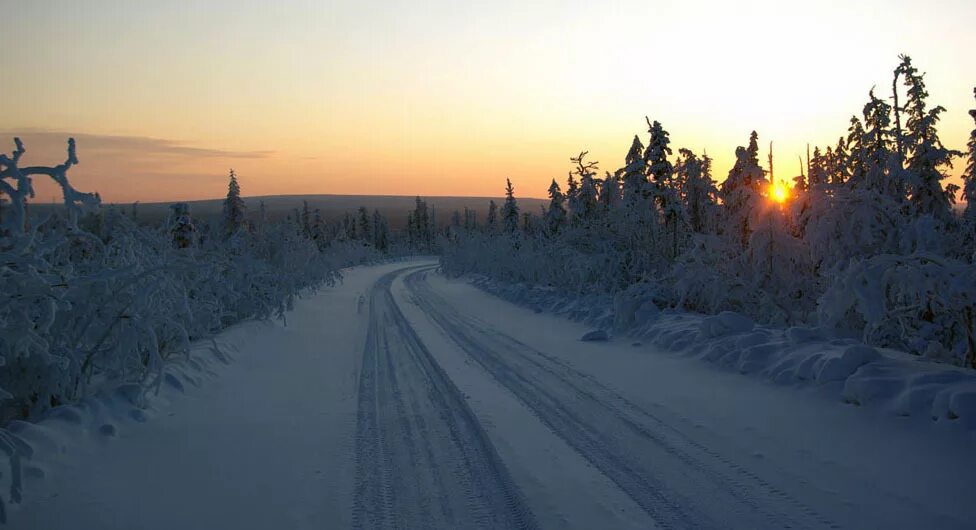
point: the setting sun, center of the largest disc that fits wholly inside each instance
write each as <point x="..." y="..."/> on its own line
<point x="779" y="192"/>
<point x="509" y="264"/>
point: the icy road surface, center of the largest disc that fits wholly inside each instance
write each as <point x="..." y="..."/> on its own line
<point x="438" y="406"/>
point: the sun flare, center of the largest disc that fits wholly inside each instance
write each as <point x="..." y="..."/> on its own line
<point x="778" y="192"/>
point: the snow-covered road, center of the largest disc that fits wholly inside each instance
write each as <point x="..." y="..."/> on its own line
<point x="438" y="406"/>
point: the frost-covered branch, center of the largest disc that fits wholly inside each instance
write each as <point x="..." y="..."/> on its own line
<point x="24" y="190"/>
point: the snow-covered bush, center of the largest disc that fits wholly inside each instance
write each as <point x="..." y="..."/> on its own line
<point x="921" y="303"/>
<point x="97" y="299"/>
<point x="101" y="298"/>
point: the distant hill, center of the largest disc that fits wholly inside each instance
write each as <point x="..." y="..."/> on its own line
<point x="394" y="207"/>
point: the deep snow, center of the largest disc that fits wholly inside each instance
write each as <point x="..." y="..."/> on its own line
<point x="500" y="416"/>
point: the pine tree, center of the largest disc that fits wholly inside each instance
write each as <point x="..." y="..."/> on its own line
<point x="656" y="154"/>
<point x="181" y="228"/>
<point x="817" y="172"/>
<point x="510" y="210"/>
<point x="877" y="148"/>
<point x="421" y="226"/>
<point x="318" y="226"/>
<point x="470" y="219"/>
<point x="573" y="207"/>
<point x="587" y="197"/>
<point x="661" y="173"/>
<point x="234" y="210"/>
<point x="380" y="236"/>
<point x="926" y="156"/>
<point x="840" y="172"/>
<point x="634" y="173"/>
<point x="306" y="220"/>
<point x="609" y="192"/>
<point x="740" y="191"/>
<point x="527" y="224"/>
<point x="697" y="188"/>
<point x="365" y="227"/>
<point x="969" y="177"/>
<point x="857" y="160"/>
<point x="492" y="219"/>
<point x="349" y="226"/>
<point x="556" y="212"/>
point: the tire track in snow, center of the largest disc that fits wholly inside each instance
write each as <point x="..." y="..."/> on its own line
<point x="634" y="448"/>
<point x="422" y="458"/>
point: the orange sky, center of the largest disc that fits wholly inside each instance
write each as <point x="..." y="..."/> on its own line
<point x="446" y="98"/>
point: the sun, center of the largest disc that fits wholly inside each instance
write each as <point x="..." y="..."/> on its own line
<point x="779" y="192"/>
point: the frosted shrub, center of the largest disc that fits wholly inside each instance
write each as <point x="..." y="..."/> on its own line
<point x="924" y="304"/>
<point x="102" y="300"/>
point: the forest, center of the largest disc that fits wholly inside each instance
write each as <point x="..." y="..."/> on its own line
<point x="868" y="239"/>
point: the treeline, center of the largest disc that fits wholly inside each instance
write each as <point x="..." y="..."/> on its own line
<point x="91" y="297"/>
<point x="866" y="238"/>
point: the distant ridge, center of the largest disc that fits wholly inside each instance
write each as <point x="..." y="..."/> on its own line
<point x="393" y="207"/>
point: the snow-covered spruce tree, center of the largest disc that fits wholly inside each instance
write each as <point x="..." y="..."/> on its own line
<point x="234" y="215"/>
<point x="776" y="267"/>
<point x="420" y="227"/>
<point x="586" y="204"/>
<point x="262" y="214"/>
<point x="697" y="190"/>
<point x="574" y="207"/>
<point x="182" y="231"/>
<point x="349" y="224"/>
<point x="528" y="224"/>
<point x="840" y="167"/>
<point x="381" y="236"/>
<point x="491" y="221"/>
<point x="815" y="169"/>
<point x="926" y="156"/>
<point x="455" y="223"/>
<point x="634" y="173"/>
<point x="740" y="191"/>
<point x="365" y="227"/>
<point x="510" y="210"/>
<point x="969" y="177"/>
<point x="609" y="192"/>
<point x="318" y="228"/>
<point x="882" y="171"/>
<point x="306" y="220"/>
<point x="857" y="160"/>
<point x="661" y="173"/>
<point x="556" y="212"/>
<point x="656" y="155"/>
<point x="470" y="219"/>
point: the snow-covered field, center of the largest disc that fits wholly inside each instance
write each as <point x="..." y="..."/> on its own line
<point x="440" y="406"/>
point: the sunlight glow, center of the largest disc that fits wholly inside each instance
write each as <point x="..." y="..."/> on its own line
<point x="779" y="192"/>
<point x="446" y="98"/>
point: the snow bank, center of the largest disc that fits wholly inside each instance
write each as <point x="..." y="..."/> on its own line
<point x="862" y="375"/>
<point x="101" y="415"/>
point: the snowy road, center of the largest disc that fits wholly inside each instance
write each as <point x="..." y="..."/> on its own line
<point x="439" y="406"/>
<point x="422" y="458"/>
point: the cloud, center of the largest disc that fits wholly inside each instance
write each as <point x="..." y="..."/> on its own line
<point x="45" y="140"/>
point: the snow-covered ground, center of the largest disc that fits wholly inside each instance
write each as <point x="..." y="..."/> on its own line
<point x="439" y="405"/>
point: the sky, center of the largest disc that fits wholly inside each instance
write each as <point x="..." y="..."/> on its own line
<point x="446" y="97"/>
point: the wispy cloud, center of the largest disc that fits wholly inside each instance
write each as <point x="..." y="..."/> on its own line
<point x="47" y="139"/>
